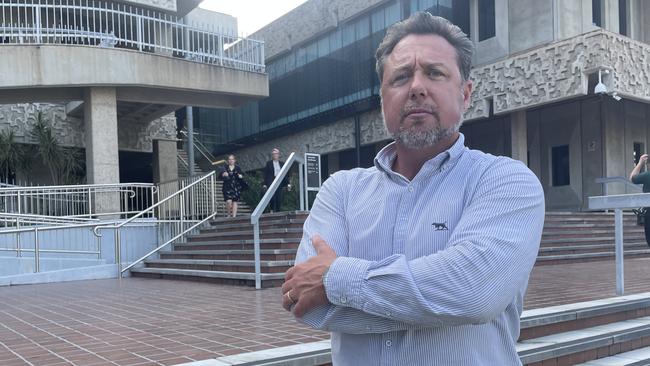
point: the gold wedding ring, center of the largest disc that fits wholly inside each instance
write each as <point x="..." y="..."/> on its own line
<point x="289" y="296"/>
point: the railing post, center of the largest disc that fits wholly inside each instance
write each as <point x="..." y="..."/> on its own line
<point x="618" y="232"/>
<point x="256" y="244"/>
<point x="212" y="194"/>
<point x="37" y="254"/>
<point x="118" y="253"/>
<point x="18" y="252"/>
<point x="37" y="26"/>
<point x="182" y="212"/>
<point x="90" y="203"/>
<point x="302" y="186"/>
<point x="140" y="40"/>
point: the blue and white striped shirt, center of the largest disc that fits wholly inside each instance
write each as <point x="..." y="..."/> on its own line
<point x="431" y="271"/>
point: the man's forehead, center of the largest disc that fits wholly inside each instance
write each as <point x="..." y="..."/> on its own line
<point x="433" y="47"/>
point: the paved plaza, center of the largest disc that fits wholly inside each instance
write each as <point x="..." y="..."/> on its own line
<point x="160" y="322"/>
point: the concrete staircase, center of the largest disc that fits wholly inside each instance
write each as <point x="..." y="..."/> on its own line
<point x="223" y="252"/>
<point x="614" y="331"/>
<point x="243" y="209"/>
<point x="588" y="236"/>
<point x="606" y="332"/>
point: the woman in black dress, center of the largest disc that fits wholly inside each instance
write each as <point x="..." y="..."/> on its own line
<point x="232" y="178"/>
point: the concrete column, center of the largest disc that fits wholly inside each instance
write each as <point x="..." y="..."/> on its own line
<point x="519" y="136"/>
<point x="102" y="159"/>
<point x="165" y="167"/>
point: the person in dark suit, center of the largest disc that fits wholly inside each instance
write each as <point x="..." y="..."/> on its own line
<point x="271" y="170"/>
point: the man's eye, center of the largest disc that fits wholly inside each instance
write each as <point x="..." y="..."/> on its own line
<point x="400" y="78"/>
<point x="435" y="73"/>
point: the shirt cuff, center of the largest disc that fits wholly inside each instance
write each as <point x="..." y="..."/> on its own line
<point x="344" y="281"/>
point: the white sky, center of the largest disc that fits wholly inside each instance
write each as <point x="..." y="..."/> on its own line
<point x="252" y="14"/>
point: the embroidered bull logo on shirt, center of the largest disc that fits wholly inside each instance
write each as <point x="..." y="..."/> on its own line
<point x="440" y="226"/>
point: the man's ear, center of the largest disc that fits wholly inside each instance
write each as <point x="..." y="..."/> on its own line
<point x="467" y="93"/>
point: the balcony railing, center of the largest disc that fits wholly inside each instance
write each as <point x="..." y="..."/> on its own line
<point x="110" y="24"/>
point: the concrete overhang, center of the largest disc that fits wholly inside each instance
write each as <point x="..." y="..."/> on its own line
<point x="37" y="73"/>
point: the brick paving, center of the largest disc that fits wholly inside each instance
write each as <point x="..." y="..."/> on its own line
<point x="161" y="322"/>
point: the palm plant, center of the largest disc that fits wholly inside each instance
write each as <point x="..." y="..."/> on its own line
<point x="62" y="163"/>
<point x="12" y="155"/>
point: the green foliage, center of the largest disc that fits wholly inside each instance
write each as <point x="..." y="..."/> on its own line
<point x="63" y="164"/>
<point x="12" y="154"/>
<point x="254" y="193"/>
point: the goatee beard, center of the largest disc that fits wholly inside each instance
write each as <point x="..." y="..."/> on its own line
<point x="415" y="140"/>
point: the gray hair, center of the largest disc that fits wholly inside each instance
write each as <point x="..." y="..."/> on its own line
<point x="425" y="23"/>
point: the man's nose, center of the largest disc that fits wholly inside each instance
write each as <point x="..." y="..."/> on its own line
<point x="418" y="89"/>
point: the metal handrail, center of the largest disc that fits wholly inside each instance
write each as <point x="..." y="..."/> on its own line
<point x="76" y="200"/>
<point x="180" y="193"/>
<point x="606" y="180"/>
<point x="201" y="148"/>
<point x="111" y="24"/>
<point x="264" y="202"/>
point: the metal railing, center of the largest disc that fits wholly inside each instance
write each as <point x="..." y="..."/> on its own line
<point x="201" y="148"/>
<point x="264" y="202"/>
<point x="622" y="180"/>
<point x="87" y="200"/>
<point x="183" y="206"/>
<point x="111" y="24"/>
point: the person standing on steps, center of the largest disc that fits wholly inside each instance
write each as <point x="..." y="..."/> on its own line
<point x="424" y="258"/>
<point x="271" y="170"/>
<point x="233" y="182"/>
<point x="643" y="178"/>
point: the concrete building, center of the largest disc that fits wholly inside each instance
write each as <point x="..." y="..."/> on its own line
<point x="108" y="76"/>
<point x="536" y="65"/>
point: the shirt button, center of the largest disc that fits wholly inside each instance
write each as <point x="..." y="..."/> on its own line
<point x="344" y="299"/>
<point x="410" y="188"/>
<point x="388" y="314"/>
<point x="389" y="343"/>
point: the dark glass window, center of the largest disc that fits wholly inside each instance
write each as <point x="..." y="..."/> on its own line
<point x="486" y="19"/>
<point x="596" y="13"/>
<point x="560" y="166"/>
<point x="622" y="17"/>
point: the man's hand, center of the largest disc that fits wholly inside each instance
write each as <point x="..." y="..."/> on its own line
<point x="303" y="284"/>
<point x="643" y="159"/>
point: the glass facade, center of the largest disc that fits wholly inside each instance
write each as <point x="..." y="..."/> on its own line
<point x="323" y="76"/>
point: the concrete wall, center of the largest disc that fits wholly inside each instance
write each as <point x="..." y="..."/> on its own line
<point x="530" y="24"/>
<point x="140" y="77"/>
<point x="491" y="49"/>
<point x="492" y="136"/>
<point x="136" y="241"/>
<point x="213" y="21"/>
<point x="560" y="125"/>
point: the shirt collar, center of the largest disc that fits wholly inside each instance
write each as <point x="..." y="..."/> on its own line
<point x="386" y="156"/>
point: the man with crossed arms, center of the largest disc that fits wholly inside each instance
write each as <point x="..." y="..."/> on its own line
<point x="424" y="258"/>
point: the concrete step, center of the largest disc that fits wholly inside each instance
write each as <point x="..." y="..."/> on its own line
<point x="588" y="257"/>
<point x="562" y="318"/>
<point x="268" y="224"/>
<point x="279" y="243"/>
<point x="220" y="265"/>
<point x="601" y="239"/>
<point x="590" y="232"/>
<point x="637" y="357"/>
<point x="230" y="254"/>
<point x="232" y="278"/>
<point x="235" y="235"/>
<point x="586" y="344"/>
<point x="264" y="217"/>
<point x="597" y="248"/>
